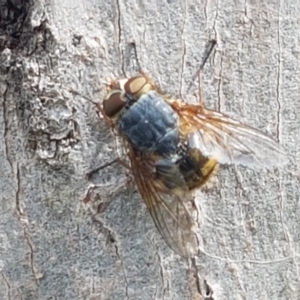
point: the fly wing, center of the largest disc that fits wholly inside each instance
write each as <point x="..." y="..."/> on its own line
<point x="226" y="140"/>
<point x="169" y="202"/>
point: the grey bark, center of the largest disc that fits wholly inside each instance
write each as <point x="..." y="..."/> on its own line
<point x="57" y="244"/>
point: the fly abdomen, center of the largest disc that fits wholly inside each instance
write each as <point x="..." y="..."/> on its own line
<point x="195" y="167"/>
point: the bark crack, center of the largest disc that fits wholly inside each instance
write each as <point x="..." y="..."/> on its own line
<point x="278" y="85"/>
<point x="218" y="103"/>
<point x="18" y="206"/>
<point x="215" y="21"/>
<point x="8" y="286"/>
<point x="205" y="10"/>
<point x="161" y="273"/>
<point x="24" y="220"/>
<point x="183" y="57"/>
<point x="124" y="273"/>
<point x="6" y="125"/>
<point x="121" y="54"/>
<point x="29" y="243"/>
<point x="196" y="276"/>
<point x="204" y="291"/>
<point x="279" y="128"/>
<point x="251" y="21"/>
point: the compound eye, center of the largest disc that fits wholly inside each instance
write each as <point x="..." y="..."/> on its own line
<point x="135" y="84"/>
<point x="114" y="103"/>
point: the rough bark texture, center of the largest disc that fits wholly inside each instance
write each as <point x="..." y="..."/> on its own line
<point x="55" y="245"/>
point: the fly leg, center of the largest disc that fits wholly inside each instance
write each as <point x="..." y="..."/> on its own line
<point x="133" y="45"/>
<point x="98" y="192"/>
<point x="155" y="85"/>
<point x="208" y="52"/>
<point x="101" y="167"/>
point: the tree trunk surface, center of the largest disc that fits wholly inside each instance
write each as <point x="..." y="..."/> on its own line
<point x="59" y="239"/>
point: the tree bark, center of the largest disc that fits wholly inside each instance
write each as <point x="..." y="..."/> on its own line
<point x="56" y="239"/>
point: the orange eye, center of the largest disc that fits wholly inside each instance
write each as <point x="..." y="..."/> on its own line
<point x="114" y="103"/>
<point x="135" y="84"/>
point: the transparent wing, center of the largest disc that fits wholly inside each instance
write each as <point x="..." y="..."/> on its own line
<point x="169" y="203"/>
<point x="226" y="140"/>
